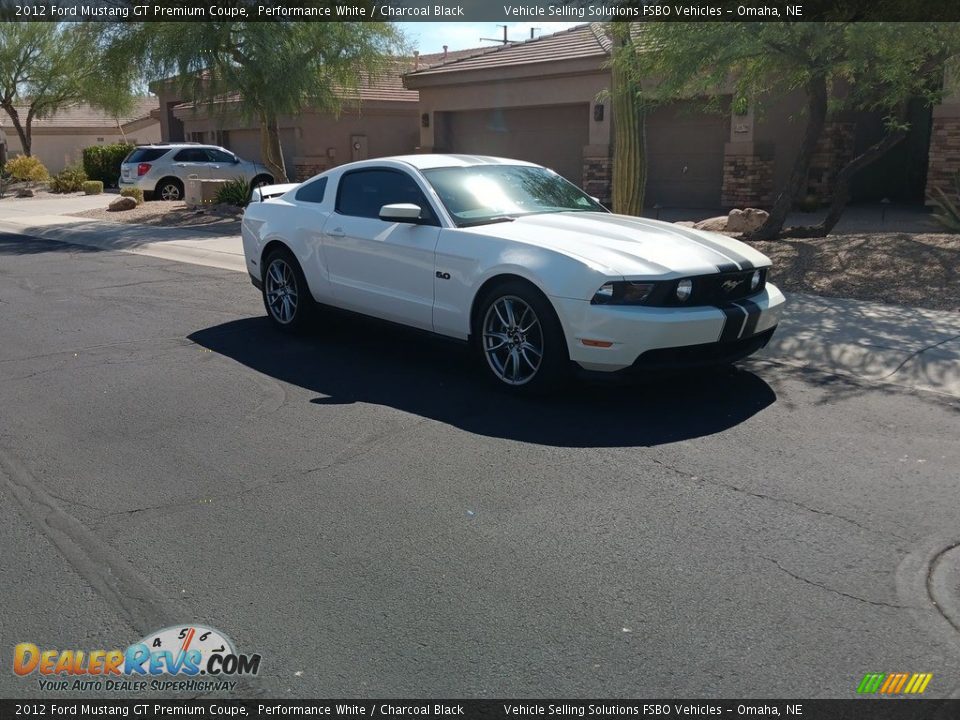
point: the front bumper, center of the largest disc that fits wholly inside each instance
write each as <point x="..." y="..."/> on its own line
<point x="684" y="337"/>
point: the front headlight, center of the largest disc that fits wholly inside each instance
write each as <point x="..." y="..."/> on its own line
<point x="755" y="279"/>
<point x="684" y="290"/>
<point x="623" y="292"/>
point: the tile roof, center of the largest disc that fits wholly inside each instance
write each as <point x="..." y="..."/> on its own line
<point x="582" y="41"/>
<point x="87" y="117"/>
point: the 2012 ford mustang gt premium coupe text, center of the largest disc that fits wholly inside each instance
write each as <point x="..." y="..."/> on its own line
<point x="508" y="255"/>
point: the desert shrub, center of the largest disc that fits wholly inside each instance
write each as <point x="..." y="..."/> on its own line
<point x="135" y="192"/>
<point x="234" y="192"/>
<point x="93" y="187"/>
<point x="26" y="168"/>
<point x="102" y="162"/>
<point x="70" y="179"/>
<point x="947" y="211"/>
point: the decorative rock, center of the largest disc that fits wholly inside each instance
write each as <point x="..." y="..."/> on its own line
<point x="122" y="203"/>
<point x="24" y="193"/>
<point x="740" y="221"/>
<point x="714" y="224"/>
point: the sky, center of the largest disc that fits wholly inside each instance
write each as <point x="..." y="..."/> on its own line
<point x="430" y="37"/>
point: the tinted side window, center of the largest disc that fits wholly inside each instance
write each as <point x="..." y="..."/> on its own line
<point x="364" y="192"/>
<point x="313" y="192"/>
<point x="191" y="155"/>
<point x="140" y="155"/>
<point x="219" y="155"/>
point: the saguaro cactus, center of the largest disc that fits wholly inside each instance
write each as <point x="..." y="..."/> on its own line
<point x="629" y="131"/>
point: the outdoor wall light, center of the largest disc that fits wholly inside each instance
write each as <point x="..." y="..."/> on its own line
<point x="331" y="152"/>
<point x="425" y="120"/>
<point x="598" y="112"/>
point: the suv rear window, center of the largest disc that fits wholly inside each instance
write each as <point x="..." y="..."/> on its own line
<point x="140" y="155"/>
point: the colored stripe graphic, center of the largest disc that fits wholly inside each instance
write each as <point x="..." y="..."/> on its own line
<point x="894" y="683"/>
<point x="870" y="683"/>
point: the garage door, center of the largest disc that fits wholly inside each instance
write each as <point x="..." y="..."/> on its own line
<point x="685" y="156"/>
<point x="551" y="136"/>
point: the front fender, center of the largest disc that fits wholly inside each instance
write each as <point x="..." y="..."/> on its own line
<point x="471" y="261"/>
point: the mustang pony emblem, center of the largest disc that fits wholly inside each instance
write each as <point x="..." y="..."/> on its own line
<point x="729" y="285"/>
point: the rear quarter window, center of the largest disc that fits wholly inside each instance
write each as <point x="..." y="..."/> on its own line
<point x="313" y="192"/>
<point x="140" y="155"/>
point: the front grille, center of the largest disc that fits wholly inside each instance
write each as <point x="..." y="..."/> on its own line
<point x="718" y="289"/>
<point x="726" y="287"/>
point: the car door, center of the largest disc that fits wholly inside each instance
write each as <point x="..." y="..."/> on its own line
<point x="224" y="166"/>
<point x="191" y="161"/>
<point x="384" y="269"/>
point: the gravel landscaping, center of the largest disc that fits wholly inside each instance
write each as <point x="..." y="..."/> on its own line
<point x="914" y="269"/>
<point x="168" y="214"/>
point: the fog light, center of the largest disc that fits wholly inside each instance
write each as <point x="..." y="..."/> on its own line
<point x="755" y="279"/>
<point x="684" y="290"/>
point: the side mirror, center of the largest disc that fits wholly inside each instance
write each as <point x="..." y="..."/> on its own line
<point x="400" y="212"/>
<point x="236" y="160"/>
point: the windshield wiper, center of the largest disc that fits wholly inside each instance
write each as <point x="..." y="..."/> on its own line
<point x="487" y="221"/>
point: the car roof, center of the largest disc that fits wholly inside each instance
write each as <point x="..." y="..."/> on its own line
<point x="174" y="145"/>
<point x="437" y="160"/>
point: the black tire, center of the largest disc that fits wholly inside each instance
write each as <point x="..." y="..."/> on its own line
<point x="261" y="180"/>
<point x="170" y="189"/>
<point x="281" y="271"/>
<point x="554" y="363"/>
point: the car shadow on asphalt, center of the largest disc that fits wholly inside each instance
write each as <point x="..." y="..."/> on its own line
<point x="348" y="359"/>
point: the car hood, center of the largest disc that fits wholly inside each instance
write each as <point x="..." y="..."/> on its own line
<point x="626" y="245"/>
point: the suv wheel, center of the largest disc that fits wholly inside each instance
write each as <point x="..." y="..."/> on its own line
<point x="169" y="189"/>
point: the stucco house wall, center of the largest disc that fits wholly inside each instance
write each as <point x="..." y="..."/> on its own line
<point x="58" y="141"/>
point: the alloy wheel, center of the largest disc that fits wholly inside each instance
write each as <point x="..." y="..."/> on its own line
<point x="170" y="191"/>
<point x="513" y="340"/>
<point x="281" y="291"/>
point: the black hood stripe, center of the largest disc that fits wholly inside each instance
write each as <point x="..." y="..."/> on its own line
<point x="726" y="253"/>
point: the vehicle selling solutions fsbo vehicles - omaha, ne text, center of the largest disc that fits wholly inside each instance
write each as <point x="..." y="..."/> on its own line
<point x="508" y="255"/>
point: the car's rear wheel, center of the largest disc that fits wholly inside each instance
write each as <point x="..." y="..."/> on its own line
<point x="286" y="296"/>
<point x="261" y="180"/>
<point x="520" y="338"/>
<point x="169" y="189"/>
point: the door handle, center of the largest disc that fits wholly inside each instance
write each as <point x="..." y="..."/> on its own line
<point x="336" y="232"/>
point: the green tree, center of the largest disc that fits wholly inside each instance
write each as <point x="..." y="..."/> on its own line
<point x="836" y="65"/>
<point x="277" y="68"/>
<point x="47" y="66"/>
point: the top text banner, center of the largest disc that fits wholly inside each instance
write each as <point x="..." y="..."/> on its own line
<point x="494" y="11"/>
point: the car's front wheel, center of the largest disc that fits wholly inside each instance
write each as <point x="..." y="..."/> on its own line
<point x="285" y="294"/>
<point x="520" y="338"/>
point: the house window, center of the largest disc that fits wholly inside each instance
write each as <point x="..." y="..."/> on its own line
<point x="196" y="137"/>
<point x="222" y="138"/>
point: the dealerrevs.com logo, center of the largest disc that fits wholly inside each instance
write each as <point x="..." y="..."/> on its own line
<point x="191" y="658"/>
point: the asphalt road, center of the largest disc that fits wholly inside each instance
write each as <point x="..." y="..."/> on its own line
<point x="359" y="508"/>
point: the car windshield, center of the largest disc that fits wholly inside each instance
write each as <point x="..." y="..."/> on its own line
<point x="497" y="193"/>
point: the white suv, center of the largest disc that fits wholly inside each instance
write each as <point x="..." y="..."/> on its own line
<point x="162" y="169"/>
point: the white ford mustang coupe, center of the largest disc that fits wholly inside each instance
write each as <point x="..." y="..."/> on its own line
<point x="508" y="255"/>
